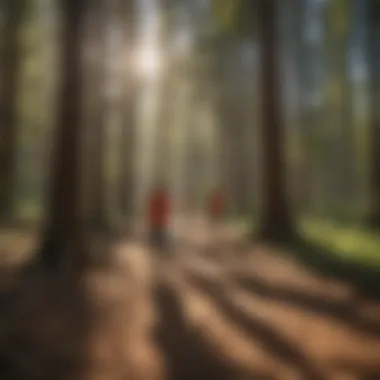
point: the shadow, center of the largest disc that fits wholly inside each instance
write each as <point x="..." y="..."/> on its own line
<point x="365" y="278"/>
<point x="188" y="356"/>
<point x="20" y="226"/>
<point x="44" y="325"/>
<point x="279" y="346"/>
<point x="344" y="312"/>
<point x="357" y="370"/>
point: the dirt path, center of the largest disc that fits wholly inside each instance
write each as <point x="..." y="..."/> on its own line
<point x="222" y="310"/>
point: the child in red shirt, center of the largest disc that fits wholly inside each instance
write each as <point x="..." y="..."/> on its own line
<point x="159" y="216"/>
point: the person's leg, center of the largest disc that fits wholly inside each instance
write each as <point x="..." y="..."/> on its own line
<point x="159" y="238"/>
<point x="154" y="236"/>
<point x="165" y="242"/>
<point x="215" y="232"/>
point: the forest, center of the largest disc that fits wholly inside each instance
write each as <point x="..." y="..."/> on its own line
<point x="274" y="105"/>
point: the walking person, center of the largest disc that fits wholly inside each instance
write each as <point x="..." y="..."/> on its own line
<point x="159" y="218"/>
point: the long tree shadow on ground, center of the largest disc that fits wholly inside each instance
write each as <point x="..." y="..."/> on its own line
<point x="357" y="370"/>
<point x="343" y="311"/>
<point x="44" y="326"/>
<point x="276" y="344"/>
<point x="188" y="356"/>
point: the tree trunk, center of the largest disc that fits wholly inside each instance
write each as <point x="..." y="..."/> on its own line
<point x="127" y="153"/>
<point x="97" y="117"/>
<point x="224" y="110"/>
<point x="374" y="138"/>
<point x="129" y="114"/>
<point x="9" y="79"/>
<point x="64" y="231"/>
<point x="305" y="121"/>
<point x="190" y="171"/>
<point x="276" y="222"/>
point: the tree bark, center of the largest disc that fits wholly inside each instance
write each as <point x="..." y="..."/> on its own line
<point x="97" y="117"/>
<point x="276" y="222"/>
<point x="64" y="232"/>
<point x="306" y="125"/>
<point x="9" y="79"/>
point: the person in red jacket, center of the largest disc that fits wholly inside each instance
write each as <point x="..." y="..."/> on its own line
<point x="159" y="217"/>
<point x="217" y="204"/>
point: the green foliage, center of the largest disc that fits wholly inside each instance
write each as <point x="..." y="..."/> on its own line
<point x="348" y="243"/>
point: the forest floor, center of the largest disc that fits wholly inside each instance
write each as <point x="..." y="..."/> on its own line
<point x="215" y="307"/>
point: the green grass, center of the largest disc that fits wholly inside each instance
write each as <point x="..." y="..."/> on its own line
<point x="345" y="242"/>
<point x="352" y="244"/>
